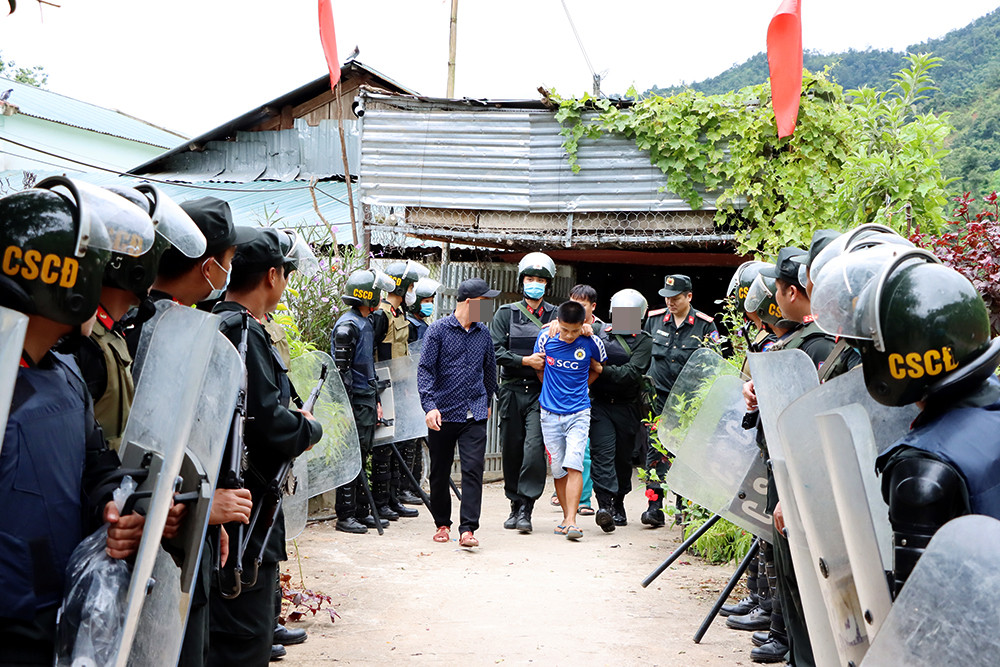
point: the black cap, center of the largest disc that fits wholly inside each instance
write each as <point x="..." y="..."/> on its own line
<point x="674" y="285"/>
<point x="820" y="240"/>
<point x="786" y="267"/>
<point x="261" y="251"/>
<point x="215" y="220"/>
<point x="476" y="287"/>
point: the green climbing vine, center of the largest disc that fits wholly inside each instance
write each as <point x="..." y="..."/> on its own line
<point x="854" y="157"/>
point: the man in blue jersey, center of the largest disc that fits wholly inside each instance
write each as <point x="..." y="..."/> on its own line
<point x="572" y="362"/>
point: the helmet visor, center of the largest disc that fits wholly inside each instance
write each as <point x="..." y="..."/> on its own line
<point x="173" y="224"/>
<point x="300" y="255"/>
<point x="427" y="287"/>
<point x="757" y="294"/>
<point x="843" y="297"/>
<point x="107" y="221"/>
<point x="414" y="271"/>
<point x="383" y="281"/>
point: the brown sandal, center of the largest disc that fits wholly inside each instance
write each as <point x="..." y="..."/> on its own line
<point x="468" y="540"/>
<point x="443" y="534"/>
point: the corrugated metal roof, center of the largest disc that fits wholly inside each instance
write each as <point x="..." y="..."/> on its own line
<point x="509" y="160"/>
<point x="302" y="153"/>
<point x="250" y="202"/>
<point x="47" y="105"/>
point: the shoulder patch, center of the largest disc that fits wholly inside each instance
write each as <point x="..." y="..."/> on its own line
<point x="659" y="311"/>
<point x="701" y="315"/>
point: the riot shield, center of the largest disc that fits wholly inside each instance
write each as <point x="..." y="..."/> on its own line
<point x="401" y="410"/>
<point x="779" y="377"/>
<point x="185" y="397"/>
<point x="820" y="635"/>
<point x="146" y="334"/>
<point x="844" y="432"/>
<point x="336" y="459"/>
<point x="690" y="387"/>
<point x="716" y="458"/>
<point x="811" y="486"/>
<point x="947" y="613"/>
<point x="12" y="327"/>
<point x="296" y="504"/>
<point x="415" y="347"/>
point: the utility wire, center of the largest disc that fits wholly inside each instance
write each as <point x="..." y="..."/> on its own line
<point x="578" y="40"/>
<point x="162" y="181"/>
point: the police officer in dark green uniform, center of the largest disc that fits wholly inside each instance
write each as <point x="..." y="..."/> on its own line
<point x="241" y="628"/>
<point x="677" y="331"/>
<point x="615" y="397"/>
<point x="514" y="330"/>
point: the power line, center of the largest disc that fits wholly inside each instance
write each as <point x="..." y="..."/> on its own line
<point x="162" y="181"/>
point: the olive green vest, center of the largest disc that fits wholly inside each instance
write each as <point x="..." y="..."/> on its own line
<point x="280" y="341"/>
<point x="112" y="408"/>
<point x="398" y="334"/>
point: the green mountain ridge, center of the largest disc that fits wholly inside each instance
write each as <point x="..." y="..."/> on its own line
<point x="968" y="82"/>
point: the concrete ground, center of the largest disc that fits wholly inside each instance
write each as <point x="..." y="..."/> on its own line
<point x="517" y="599"/>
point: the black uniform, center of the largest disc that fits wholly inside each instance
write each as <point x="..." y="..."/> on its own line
<point x="241" y="629"/>
<point x="523" y="456"/>
<point x="53" y="460"/>
<point x="615" y="415"/>
<point x="352" y="346"/>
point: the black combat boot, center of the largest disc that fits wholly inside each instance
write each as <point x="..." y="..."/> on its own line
<point x="605" y="511"/>
<point x="744" y="606"/>
<point x="381" y="483"/>
<point x="757" y="619"/>
<point x="369" y="521"/>
<point x="653" y="516"/>
<point x="773" y="650"/>
<point x="408" y="497"/>
<point x="399" y="508"/>
<point x="621" y="519"/>
<point x="346" y="506"/>
<point x="515" y="510"/>
<point x="524" y="516"/>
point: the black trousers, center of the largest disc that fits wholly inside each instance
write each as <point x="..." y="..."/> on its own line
<point x="791" y="604"/>
<point x="242" y="629"/>
<point x="523" y="450"/>
<point x="612" y="437"/>
<point x="470" y="436"/>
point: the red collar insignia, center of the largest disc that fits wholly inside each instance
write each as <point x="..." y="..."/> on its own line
<point x="690" y="319"/>
<point x="808" y="319"/>
<point x="105" y="319"/>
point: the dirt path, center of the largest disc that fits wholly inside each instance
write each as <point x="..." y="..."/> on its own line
<point x="518" y="599"/>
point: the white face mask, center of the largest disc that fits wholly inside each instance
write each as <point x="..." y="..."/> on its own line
<point x="410" y="298"/>
<point x="217" y="292"/>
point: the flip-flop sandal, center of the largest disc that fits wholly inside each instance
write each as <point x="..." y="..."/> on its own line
<point x="585" y="510"/>
<point x="560" y="530"/>
<point x="443" y="534"/>
<point x="554" y="500"/>
<point x="573" y="533"/>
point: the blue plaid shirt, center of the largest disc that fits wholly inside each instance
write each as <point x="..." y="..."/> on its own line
<point x="458" y="370"/>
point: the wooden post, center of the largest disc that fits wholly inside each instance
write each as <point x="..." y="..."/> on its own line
<point x="347" y="168"/>
<point x="452" y="43"/>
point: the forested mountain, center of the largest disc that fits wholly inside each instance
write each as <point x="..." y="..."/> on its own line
<point x="968" y="81"/>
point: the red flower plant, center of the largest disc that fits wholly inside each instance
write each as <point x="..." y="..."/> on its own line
<point x="651" y="495"/>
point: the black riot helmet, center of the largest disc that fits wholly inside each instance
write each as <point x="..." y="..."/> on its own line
<point x="55" y="240"/>
<point x="739" y="284"/>
<point x="173" y="227"/>
<point x="922" y="327"/>
<point x="404" y="274"/>
<point x="364" y="288"/>
<point x="760" y="298"/>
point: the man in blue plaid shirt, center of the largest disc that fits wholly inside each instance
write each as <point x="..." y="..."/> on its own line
<point x="457" y="378"/>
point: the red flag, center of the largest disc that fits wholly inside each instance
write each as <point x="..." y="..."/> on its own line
<point x="329" y="40"/>
<point x="784" y="59"/>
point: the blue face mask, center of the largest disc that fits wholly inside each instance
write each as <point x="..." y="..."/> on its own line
<point x="534" y="290"/>
<point x="427" y="309"/>
<point x="217" y="292"/>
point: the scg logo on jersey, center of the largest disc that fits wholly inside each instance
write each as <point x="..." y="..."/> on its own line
<point x="916" y="365"/>
<point x="563" y="363"/>
<point x="32" y="265"/>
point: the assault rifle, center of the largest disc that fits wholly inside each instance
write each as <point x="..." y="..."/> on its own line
<point x="231" y="477"/>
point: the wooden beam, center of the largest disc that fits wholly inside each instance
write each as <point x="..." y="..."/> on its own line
<point x="644" y="258"/>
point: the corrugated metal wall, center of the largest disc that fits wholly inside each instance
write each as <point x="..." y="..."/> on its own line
<point x="501" y="160"/>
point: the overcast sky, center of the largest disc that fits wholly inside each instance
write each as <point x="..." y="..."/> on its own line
<point x="190" y="65"/>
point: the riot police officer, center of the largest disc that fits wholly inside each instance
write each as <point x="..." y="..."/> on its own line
<point x="241" y="628"/>
<point x="514" y="330"/>
<point x="392" y="335"/>
<point x="419" y="315"/>
<point x="615" y="416"/>
<point x="924" y="337"/>
<point x="352" y="346"/>
<point x="53" y="496"/>
<point x="677" y="331"/>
